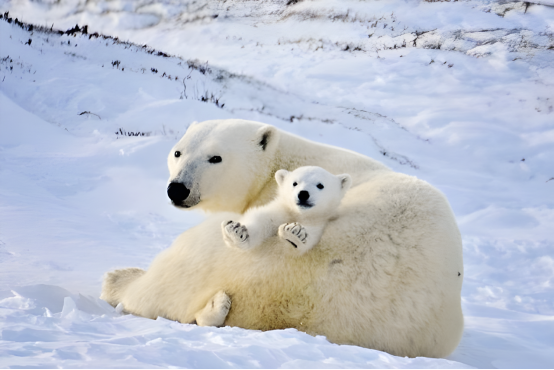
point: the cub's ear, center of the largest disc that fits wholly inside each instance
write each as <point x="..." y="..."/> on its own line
<point x="267" y="138"/>
<point x="280" y="176"/>
<point x="345" y="182"/>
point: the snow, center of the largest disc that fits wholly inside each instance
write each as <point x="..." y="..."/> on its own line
<point x="79" y="196"/>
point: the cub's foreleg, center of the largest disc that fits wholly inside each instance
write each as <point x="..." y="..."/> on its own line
<point x="254" y="227"/>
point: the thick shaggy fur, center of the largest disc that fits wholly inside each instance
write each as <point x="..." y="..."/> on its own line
<point x="386" y="274"/>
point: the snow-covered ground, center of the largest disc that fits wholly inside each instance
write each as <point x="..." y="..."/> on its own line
<point x="460" y="94"/>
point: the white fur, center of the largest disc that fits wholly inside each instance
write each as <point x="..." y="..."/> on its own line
<point x="387" y="273"/>
<point x="299" y="222"/>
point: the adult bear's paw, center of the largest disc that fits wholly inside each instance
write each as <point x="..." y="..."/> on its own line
<point x="216" y="310"/>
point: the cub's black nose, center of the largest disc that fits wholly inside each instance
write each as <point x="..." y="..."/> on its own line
<point x="303" y="196"/>
<point x="177" y="192"/>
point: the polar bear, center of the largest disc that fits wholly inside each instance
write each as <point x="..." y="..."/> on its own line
<point x="307" y="199"/>
<point x="387" y="273"/>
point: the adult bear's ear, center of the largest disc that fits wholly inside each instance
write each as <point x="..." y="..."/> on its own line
<point x="345" y="182"/>
<point x="280" y="176"/>
<point x="192" y="124"/>
<point x="267" y="138"/>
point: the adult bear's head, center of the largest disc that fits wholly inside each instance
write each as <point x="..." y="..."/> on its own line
<point x="218" y="165"/>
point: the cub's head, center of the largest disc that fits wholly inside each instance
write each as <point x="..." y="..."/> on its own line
<point x="312" y="189"/>
<point x="218" y="164"/>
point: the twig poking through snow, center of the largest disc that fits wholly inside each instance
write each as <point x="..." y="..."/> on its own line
<point x="87" y="112"/>
<point x="185" y="86"/>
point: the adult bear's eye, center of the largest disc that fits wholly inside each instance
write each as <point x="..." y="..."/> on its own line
<point x="215" y="159"/>
<point x="320" y="186"/>
<point x="294" y="184"/>
<point x="177" y="154"/>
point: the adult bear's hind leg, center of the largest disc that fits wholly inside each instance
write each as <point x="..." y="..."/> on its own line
<point x="215" y="312"/>
<point x="115" y="283"/>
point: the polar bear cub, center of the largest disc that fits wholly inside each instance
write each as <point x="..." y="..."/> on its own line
<point x="307" y="199"/>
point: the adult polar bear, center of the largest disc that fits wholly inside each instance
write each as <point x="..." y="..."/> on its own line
<point x="387" y="273"/>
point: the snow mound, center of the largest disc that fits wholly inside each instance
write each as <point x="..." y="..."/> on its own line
<point x="46" y="326"/>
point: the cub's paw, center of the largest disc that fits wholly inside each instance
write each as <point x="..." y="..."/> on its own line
<point x="294" y="233"/>
<point x="216" y="310"/>
<point x="235" y="235"/>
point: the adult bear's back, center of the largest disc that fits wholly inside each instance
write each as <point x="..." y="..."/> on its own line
<point x="393" y="280"/>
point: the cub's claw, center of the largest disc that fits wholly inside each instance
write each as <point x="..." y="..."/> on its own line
<point x="294" y="233"/>
<point x="235" y="235"/>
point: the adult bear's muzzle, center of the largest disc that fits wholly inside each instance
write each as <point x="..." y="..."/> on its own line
<point x="177" y="192"/>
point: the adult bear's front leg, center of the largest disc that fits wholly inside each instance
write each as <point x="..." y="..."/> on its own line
<point x="215" y="312"/>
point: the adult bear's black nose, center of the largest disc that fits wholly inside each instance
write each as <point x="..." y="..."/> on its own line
<point x="177" y="192"/>
<point x="303" y="196"/>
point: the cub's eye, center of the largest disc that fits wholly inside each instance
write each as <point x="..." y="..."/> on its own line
<point x="320" y="186"/>
<point x="215" y="159"/>
<point x="294" y="184"/>
<point x="177" y="154"/>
